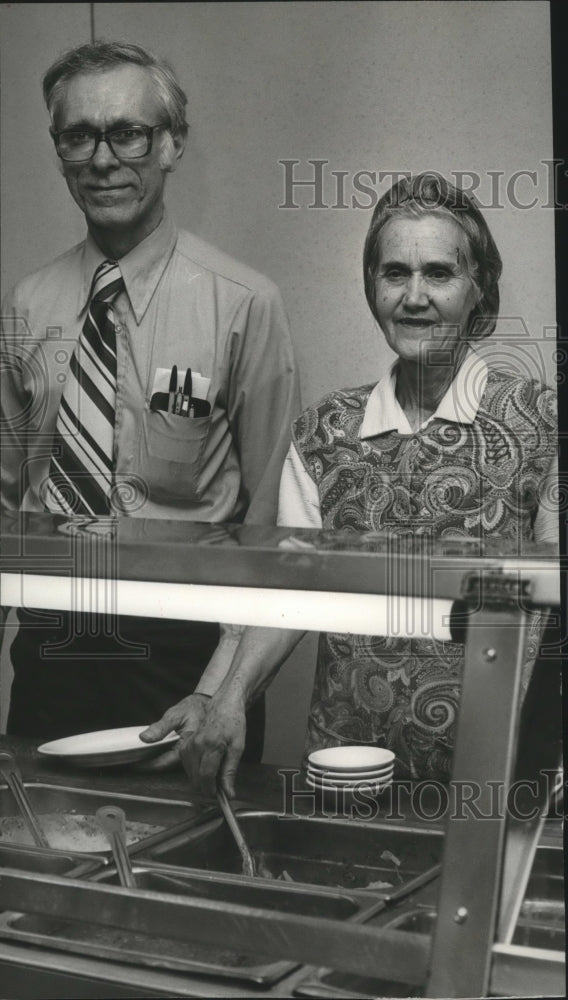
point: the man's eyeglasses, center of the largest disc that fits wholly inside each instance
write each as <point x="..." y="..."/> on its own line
<point x="128" y="143"/>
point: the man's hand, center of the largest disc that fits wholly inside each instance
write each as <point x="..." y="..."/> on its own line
<point x="184" y="718"/>
<point x="211" y="754"/>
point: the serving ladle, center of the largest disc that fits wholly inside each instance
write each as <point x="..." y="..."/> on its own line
<point x="245" y="852"/>
<point x="12" y="776"/>
<point x="112" y="822"/>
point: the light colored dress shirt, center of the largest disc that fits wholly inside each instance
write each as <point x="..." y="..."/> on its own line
<point x="299" y="501"/>
<point x="187" y="304"/>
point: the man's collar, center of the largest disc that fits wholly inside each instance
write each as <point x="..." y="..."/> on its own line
<point x="459" y="405"/>
<point x="141" y="268"/>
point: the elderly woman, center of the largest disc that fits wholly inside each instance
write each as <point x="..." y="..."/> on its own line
<point x="441" y="446"/>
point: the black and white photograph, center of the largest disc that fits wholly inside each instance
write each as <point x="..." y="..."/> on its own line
<point x="283" y="499"/>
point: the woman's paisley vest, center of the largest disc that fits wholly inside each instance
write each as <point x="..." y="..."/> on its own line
<point x="478" y="480"/>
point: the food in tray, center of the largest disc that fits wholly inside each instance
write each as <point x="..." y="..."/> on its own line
<point x="350" y="878"/>
<point x="71" y="832"/>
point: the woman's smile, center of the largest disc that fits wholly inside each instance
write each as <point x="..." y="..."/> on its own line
<point x="413" y="321"/>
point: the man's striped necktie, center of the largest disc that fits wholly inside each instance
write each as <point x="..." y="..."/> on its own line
<point x="81" y="469"/>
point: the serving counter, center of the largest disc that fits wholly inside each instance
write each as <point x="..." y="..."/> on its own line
<point x="450" y="925"/>
<point x="38" y="970"/>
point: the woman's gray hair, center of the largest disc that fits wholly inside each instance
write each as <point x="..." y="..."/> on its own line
<point x="99" y="56"/>
<point x="431" y="194"/>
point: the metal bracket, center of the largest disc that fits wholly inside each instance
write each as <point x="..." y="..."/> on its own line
<point x="493" y="588"/>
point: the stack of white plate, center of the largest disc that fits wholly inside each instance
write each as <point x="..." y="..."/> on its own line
<point x="348" y="769"/>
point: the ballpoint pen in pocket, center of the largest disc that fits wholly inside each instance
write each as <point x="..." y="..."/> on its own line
<point x="186" y="407"/>
<point x="173" y="389"/>
<point x="178" y="404"/>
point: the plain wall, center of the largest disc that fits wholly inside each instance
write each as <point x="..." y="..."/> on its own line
<point x="365" y="86"/>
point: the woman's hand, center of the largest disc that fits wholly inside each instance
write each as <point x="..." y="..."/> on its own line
<point x="211" y="753"/>
<point x="184" y="718"/>
<point x="212" y="729"/>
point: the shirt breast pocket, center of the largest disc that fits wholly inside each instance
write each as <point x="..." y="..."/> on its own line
<point x="172" y="450"/>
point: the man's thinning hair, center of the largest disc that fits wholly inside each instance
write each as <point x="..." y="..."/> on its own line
<point x="96" y="57"/>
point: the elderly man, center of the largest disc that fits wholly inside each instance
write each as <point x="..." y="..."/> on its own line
<point x="146" y="374"/>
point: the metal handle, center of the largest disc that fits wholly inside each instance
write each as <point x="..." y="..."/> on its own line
<point x="248" y="860"/>
<point x="11" y="774"/>
<point x="113" y="823"/>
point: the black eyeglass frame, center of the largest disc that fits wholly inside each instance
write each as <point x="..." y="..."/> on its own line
<point x="105" y="135"/>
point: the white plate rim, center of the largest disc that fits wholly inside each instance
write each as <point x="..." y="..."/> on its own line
<point x="351" y="781"/>
<point x="67" y="745"/>
<point x="314" y="758"/>
<point x="349" y="775"/>
<point x="349" y="786"/>
<point x="338" y="793"/>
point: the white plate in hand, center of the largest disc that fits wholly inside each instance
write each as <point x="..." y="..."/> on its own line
<point x="106" y="747"/>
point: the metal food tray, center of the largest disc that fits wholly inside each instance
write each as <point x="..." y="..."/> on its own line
<point x="169" y="815"/>
<point x="52" y="862"/>
<point x="540" y="930"/>
<point x="328" y="983"/>
<point x="109" y="942"/>
<point x="541" y="922"/>
<point x="348" y="855"/>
